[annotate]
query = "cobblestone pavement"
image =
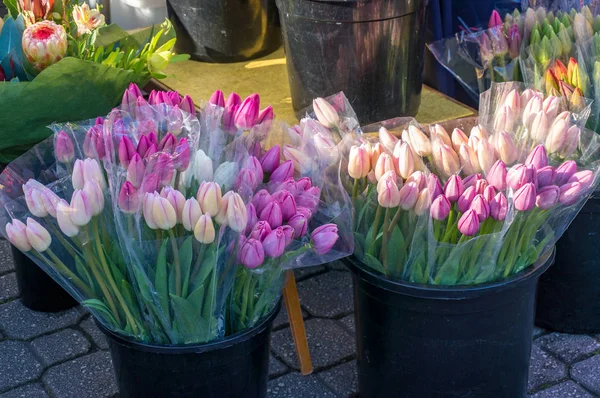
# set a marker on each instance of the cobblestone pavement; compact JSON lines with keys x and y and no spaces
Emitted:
{"x":64,"y":355}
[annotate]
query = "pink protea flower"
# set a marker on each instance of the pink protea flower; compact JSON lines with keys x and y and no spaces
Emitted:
{"x":44,"y":43}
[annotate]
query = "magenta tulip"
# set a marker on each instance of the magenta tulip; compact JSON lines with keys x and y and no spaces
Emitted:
{"x":270,"y":160}
{"x":247,"y":114}
{"x":143,"y":145}
{"x":520,"y":175}
{"x":570,"y":193}
{"x":252,"y":217}
{"x":303,"y":184}
{"x":497,"y":175}
{"x":524,"y":197}
{"x":309,"y":199}
{"x":481,"y":207}
{"x":537,"y":158}
{"x":547,"y":197}
{"x":564,"y":172}
{"x":168,"y":143}
{"x":261,"y":199}
{"x":182,"y":155}
{"x":63,"y":147}
{"x":272,"y":214}
{"x":260,"y":230}
{"x":584,"y":177}
{"x":464,"y":201}
{"x":283,"y":172}
{"x":289,"y":234}
{"x":499,"y":207}
{"x":434,"y":186}
{"x":217,"y":99}
{"x":471,"y":180}
{"x":454,"y":188}
{"x":187,"y":105}
{"x":468,"y":224}
{"x":253,"y":164}
{"x":287,"y":203}
{"x":274,"y":243}
{"x":440,"y":208}
{"x":126,"y":151}
{"x":252,"y":254}
{"x":266,"y":115}
{"x":324,"y":237}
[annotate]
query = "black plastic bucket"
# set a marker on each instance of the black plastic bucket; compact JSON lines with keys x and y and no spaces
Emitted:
{"x":372,"y":50}
{"x":237,"y":366}
{"x":569,"y":293}
{"x":441,"y":342}
{"x":225,"y":30}
{"x":38,"y":291}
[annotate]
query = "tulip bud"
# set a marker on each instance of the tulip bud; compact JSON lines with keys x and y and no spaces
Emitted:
{"x":524,"y":197}
{"x":301,"y":161}
{"x":150,"y":183}
{"x":584,"y":177}
{"x":325,"y":113}
{"x":445,"y":159}
{"x":419,"y":141}
{"x":91,"y":171}
{"x":252,"y":217}
{"x":283,"y":172}
{"x":182,"y":155}
{"x":358,"y":162}
{"x":17,"y":235}
{"x":236,"y":214}
{"x":252,"y":254}
{"x":570,"y":193}
{"x":514,"y":42}
{"x":533,"y":107}
{"x":287,"y":203}
{"x":497,"y":175}
{"x":81,"y":209}
{"x":557,"y":136}
{"x":129,"y":200}
{"x":299,"y":222}
{"x":33,"y":197}
{"x":459,"y":138}
{"x":547,"y":197}
{"x":126,"y":151}
{"x":520,"y":175}
{"x":571,"y":142}
{"x":63,"y":217}
{"x":504,"y":119}
{"x":260,"y":230}
{"x":38,"y":236}
{"x":272,"y":214}
{"x":454,"y":188}
{"x":95,"y":197}
{"x":187,"y":105}
{"x":485,"y":155}
{"x":506,"y":148}
{"x":176,"y":199}
{"x":537,"y":158}
{"x":130,"y":97}
{"x":204,"y":229}
{"x":408,"y":196}
{"x":324,"y":237}
{"x":489,"y":192}
{"x":209,"y":197}
{"x":419,"y":179}
{"x":423,"y":202}
{"x":464,"y":201}
{"x":468,"y":224}
{"x":468,"y":160}
{"x":438,"y":133}
{"x":481,"y":207}
{"x":253,"y":164}
{"x":168,"y":143}
{"x":217,"y":99}
{"x":495,"y":20}
{"x":388,"y":176}
{"x":551,"y":106}
{"x":270,"y":160}
{"x":376,"y":151}
{"x":143,"y":145}
{"x":274,"y":243}
{"x":564,"y":172}
{"x":246,"y":115}
{"x":471,"y":180}
{"x":136,"y":171}
{"x":434,"y":186}
{"x":63,"y":147}
{"x":384,"y":164}
{"x":440,"y":208}
{"x":545,"y":176}
{"x":288,"y":232}
{"x":309,"y":199}
{"x":539,"y":127}
{"x":499,"y":207}
{"x":163,"y":213}
{"x":265,"y":116}
{"x":388,"y":195}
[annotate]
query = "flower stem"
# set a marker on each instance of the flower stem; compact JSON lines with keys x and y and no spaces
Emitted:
{"x":384,"y":248}
{"x":63,"y":269}
{"x":176,"y":262}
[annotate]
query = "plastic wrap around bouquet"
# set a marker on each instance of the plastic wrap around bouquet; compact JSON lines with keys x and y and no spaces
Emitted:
{"x":161,"y":241}
{"x":477,"y":201}
{"x":60,"y":62}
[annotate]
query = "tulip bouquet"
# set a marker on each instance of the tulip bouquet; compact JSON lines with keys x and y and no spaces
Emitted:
{"x":127,"y":214}
{"x":444,"y":206}
{"x":48,"y":48}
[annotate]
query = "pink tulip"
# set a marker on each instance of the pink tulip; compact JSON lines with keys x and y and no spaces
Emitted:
{"x":557,"y":135}
{"x":63,"y":217}
{"x":129,"y":200}
{"x":299,"y":222}
{"x":324,"y":237}
{"x":388,"y":194}
{"x":182,"y":155}
{"x":325,"y":113}
{"x":152,"y":150}
{"x":150,"y":183}
{"x":551,"y":106}
{"x":143,"y":111}
{"x":524,"y":197}
{"x":468,"y":224}
{"x":17,"y":235}
{"x":136,"y":171}
{"x":359,"y":163}
{"x":253,"y":164}
{"x":252,"y":254}
{"x":485,"y":155}
{"x":537,"y":158}
{"x":245,"y":182}
{"x":38,"y":236}
{"x":164,"y":166}
{"x":261,"y":199}
{"x":233,"y":100}
{"x":454,"y":188}
{"x":95,"y":196}
{"x":418,"y":178}
{"x":272,"y":214}
{"x":540,"y":127}
{"x":274,"y":243}
{"x":130,"y":97}
{"x":459,"y":138}
{"x":283,"y":172}
{"x":408,"y":196}
{"x":260,"y":230}
{"x":547,"y":197}
{"x":584,"y":177}
{"x":387,"y":140}
{"x":440,"y":208}
{"x":187,"y":105}
{"x":384,"y":164}
{"x":126,"y":151}
{"x":287,"y":203}
{"x":265,"y":116}
{"x":174,"y":97}
{"x":488,"y":193}
{"x":99,"y":121}
{"x":305,"y":211}
{"x":506,"y":148}
{"x":309,"y":199}
{"x":270,"y":160}
{"x":303,"y":184}
{"x":520,"y":175}
{"x":423,"y":202}
{"x":93,"y":144}
{"x":495,"y":20}
{"x":564,"y":172}
{"x":471,"y":180}
{"x":288,"y":233}
{"x":217,"y":99}
{"x":247,"y":113}
{"x":464,"y":201}
{"x":481,"y":186}
{"x":63,"y":147}
{"x":546,"y":176}
{"x":252,"y":217}
{"x":571,"y":142}
{"x":499,"y":207}
{"x":81,"y":208}
{"x":143,"y":145}
{"x":176,"y":199}
{"x":481,"y":207}
{"x":168,"y":143}
{"x":570,"y":193}
{"x":497,"y":175}
{"x":434,"y":186}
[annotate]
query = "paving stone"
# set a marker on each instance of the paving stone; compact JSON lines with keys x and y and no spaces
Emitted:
{"x":29,"y":391}
{"x":543,"y":368}
{"x":17,"y":365}
{"x":327,"y":341}
{"x":342,"y":379}
{"x":19,"y":322}
{"x":276,"y":367}
{"x":587,"y":373}
{"x":568,"y":389}
{"x":537,"y":332}
{"x":282,"y":318}
{"x":59,"y":346}
{"x":569,"y":347}
{"x":306,"y":272}
{"x":348,"y":321}
{"x":328,"y":295}
{"x":294,"y":385}
{"x":6,"y":260}
{"x":338,"y":266}
{"x":90,"y":376}
{"x":8,"y":287}
{"x":89,"y":326}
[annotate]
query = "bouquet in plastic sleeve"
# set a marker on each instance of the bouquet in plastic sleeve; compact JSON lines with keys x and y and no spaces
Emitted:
{"x":474,"y":202}
{"x":155,"y":255}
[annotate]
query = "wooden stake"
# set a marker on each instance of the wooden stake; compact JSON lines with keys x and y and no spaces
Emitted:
{"x":292,"y":304}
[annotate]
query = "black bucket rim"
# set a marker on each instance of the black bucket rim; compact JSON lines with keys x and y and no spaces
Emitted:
{"x":219,"y":344}
{"x":454,"y":292}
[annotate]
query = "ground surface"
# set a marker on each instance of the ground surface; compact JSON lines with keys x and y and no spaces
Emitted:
{"x":65,"y":356}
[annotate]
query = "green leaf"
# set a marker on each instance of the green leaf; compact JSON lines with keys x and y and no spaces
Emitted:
{"x":131,"y":300}
{"x":11,"y":6}
{"x":187,"y":321}
{"x":83,"y":273}
{"x":161,"y":281}
{"x":186,"y":255}
{"x":374,"y":263}
{"x":102,"y":311}
{"x":359,"y":245}
{"x":196,"y":298}
{"x":179,"y":58}
{"x":395,"y":246}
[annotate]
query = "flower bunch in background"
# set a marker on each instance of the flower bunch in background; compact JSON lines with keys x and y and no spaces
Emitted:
{"x":153,"y":254}
{"x":457,"y":207}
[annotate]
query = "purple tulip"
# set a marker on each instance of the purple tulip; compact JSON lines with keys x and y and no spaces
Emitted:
{"x":274,"y":243}
{"x":283,"y":172}
{"x":564,"y":172}
{"x":252,"y":217}
{"x":152,"y":150}
{"x":233,"y":100}
{"x":524,"y":197}
{"x":136,"y":170}
{"x":246,"y":182}
{"x":471,"y":180}
{"x":247,"y":113}
{"x":499,"y":207}
{"x":289,"y":185}
{"x":537,"y":158}
{"x":440,"y":208}
{"x":143,"y":145}
{"x":182,"y":155}
{"x":584,"y":177}
{"x":464,"y":201}
{"x":434,"y":186}
{"x":547,"y":197}
{"x":287,"y":203}
{"x":288,"y":233}
{"x":520,"y":175}
{"x":468,"y":224}
{"x":228,"y":119}
{"x":253,"y":164}
{"x":497,"y":175}
{"x":570,"y":193}
{"x":305,"y":211}
{"x":187,"y":105}
{"x":217,"y":99}
{"x":261,"y":199}
{"x":63,"y":147}
{"x":168,"y":143}
{"x":130,"y":97}
{"x":93,"y":144}
{"x":129,"y":200}
{"x":270,"y":160}
{"x":545,"y":176}
{"x":309,"y":199}
{"x":126,"y":151}
{"x":252,"y":254}
{"x":299,"y":222}
{"x":150,"y":183}
{"x":481,"y":207}
{"x":260,"y":230}
{"x":454,"y":188}
{"x":303,"y":184}
{"x":324,"y":237}
{"x":272,"y":214}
